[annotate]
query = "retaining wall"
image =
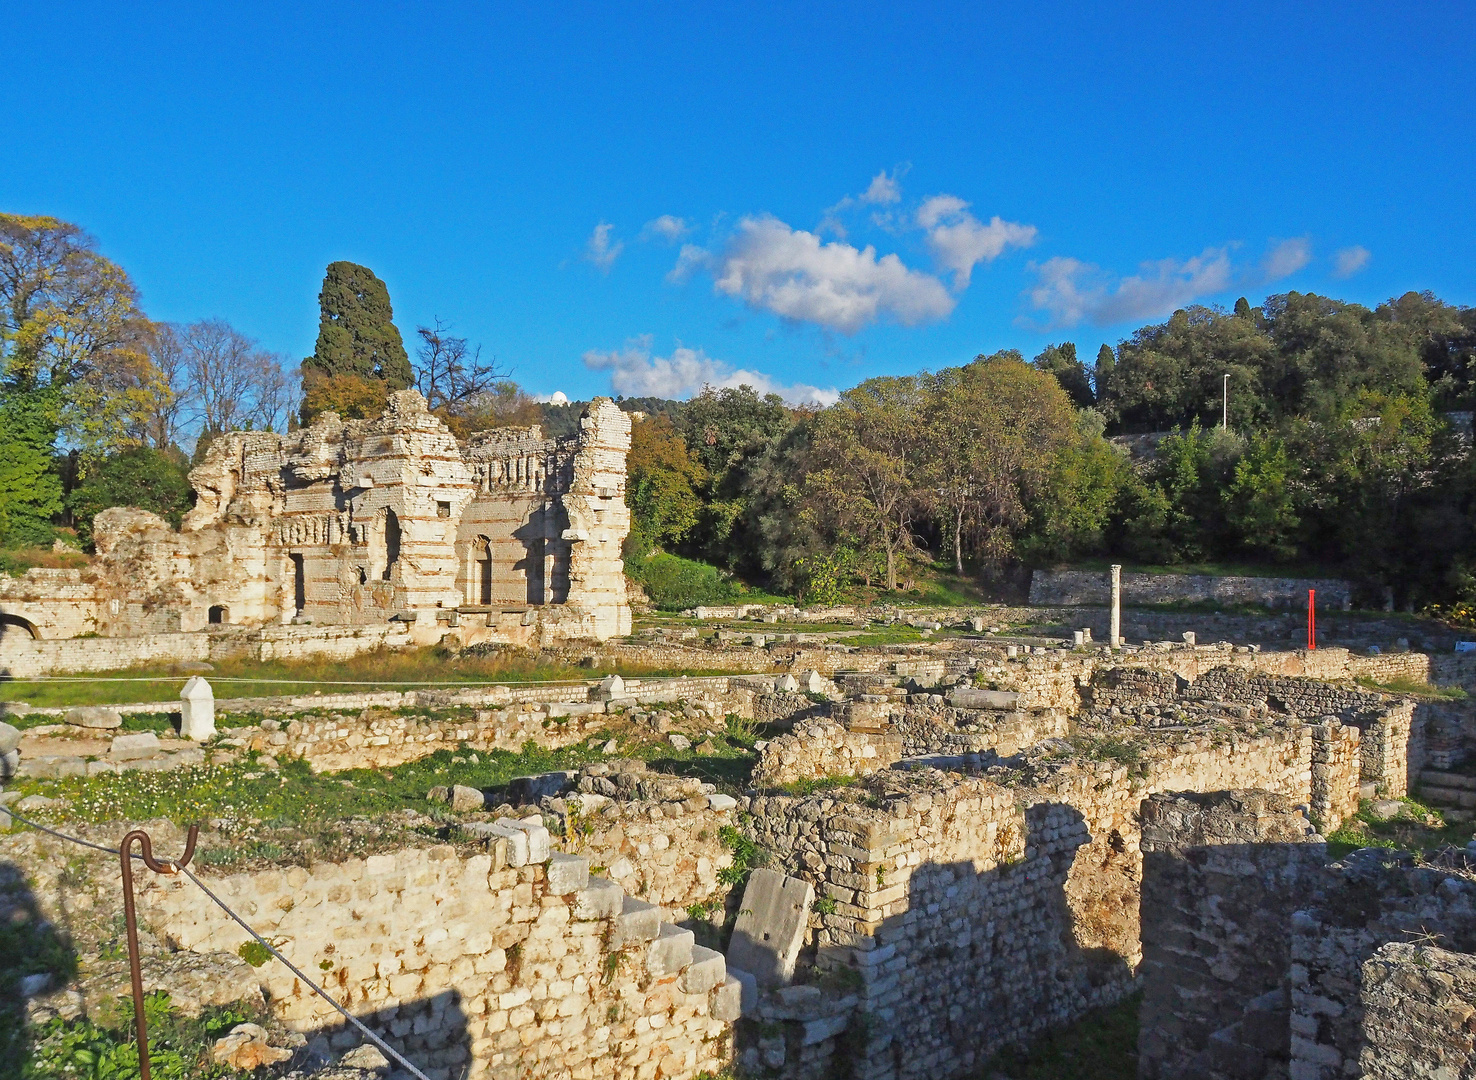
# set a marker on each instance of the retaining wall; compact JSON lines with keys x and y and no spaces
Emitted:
{"x":1065,"y":588}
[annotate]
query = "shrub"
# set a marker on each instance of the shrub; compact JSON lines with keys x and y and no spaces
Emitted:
{"x":674,"y":583}
{"x":148,"y":479}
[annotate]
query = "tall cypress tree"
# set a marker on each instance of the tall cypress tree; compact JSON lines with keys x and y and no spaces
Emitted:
{"x":356,"y":330}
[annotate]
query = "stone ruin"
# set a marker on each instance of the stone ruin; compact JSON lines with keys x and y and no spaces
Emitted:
{"x":963,"y":847}
{"x":389,"y":524}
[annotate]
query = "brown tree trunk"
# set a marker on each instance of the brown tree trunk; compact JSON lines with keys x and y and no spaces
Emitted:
{"x":958,"y":541}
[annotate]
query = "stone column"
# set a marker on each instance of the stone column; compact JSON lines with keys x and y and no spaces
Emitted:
{"x":1114,"y":638}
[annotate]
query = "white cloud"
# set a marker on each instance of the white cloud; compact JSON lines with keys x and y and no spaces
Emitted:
{"x":1350,"y":260}
{"x":1070,"y":290}
{"x":1285,"y":259}
{"x":600,"y":250}
{"x":959,"y":240}
{"x":793,"y":274}
{"x":667,"y":227}
{"x":691,"y":259}
{"x":883,"y":189}
{"x":634,"y":372}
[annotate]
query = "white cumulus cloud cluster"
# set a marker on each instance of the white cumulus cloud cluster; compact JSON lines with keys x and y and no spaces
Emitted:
{"x":634,"y":372}
{"x":797,"y":276}
{"x":1070,"y":291}
{"x":600,"y":249}
{"x":959,"y":240}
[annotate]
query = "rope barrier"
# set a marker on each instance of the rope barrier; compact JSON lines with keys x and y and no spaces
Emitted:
{"x":314,"y":987}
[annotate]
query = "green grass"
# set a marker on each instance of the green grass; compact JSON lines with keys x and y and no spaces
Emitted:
{"x":1418,"y":828}
{"x":1103,"y":1045}
{"x":1415,"y":688}
{"x":380,"y":670}
{"x":243,"y":796}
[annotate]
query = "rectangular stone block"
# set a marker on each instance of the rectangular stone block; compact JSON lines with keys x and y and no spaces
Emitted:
{"x":637,"y":921}
{"x":567,"y":873}
{"x":706,"y":972}
{"x":132,"y":747}
{"x":727,"y":1001}
{"x":771,"y":926}
{"x":599,"y":899}
{"x":671,"y":951}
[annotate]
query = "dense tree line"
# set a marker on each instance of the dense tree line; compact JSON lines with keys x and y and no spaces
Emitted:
{"x":1347,"y":450}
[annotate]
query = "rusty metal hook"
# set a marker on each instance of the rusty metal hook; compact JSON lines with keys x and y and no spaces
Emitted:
{"x":146,"y":852}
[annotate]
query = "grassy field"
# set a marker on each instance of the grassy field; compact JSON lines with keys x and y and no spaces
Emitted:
{"x":1418,"y":828}
{"x":399,"y":669}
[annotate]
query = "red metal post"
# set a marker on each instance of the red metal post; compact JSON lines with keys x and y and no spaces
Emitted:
{"x":1311,"y":618}
{"x":131,"y":920}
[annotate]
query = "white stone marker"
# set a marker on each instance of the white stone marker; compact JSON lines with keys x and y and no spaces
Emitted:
{"x":197,"y":710}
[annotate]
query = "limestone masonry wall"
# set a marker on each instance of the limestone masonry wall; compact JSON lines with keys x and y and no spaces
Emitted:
{"x":1072,"y":587}
{"x":1417,"y":1001}
{"x":473,"y":967}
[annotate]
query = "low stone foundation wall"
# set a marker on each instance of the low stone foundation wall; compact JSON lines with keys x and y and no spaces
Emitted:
{"x":821,"y":747}
{"x":1066,"y":588}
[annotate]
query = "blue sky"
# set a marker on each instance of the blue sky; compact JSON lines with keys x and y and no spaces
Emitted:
{"x":646,"y":197}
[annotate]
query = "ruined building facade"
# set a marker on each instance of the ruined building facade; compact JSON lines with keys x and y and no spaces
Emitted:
{"x":509,"y":537}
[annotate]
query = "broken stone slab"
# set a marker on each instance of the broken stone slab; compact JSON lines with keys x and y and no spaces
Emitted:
{"x":567,"y":873}
{"x":670,"y":951}
{"x":679,"y":742}
{"x":140,"y":744}
{"x":637,"y":921}
{"x":94,"y":716}
{"x":466,"y":799}
{"x":721,"y":802}
{"x":707,"y":971}
{"x":771,"y":926}
{"x":197,"y":710}
{"x":538,"y":838}
{"x":969,"y":698}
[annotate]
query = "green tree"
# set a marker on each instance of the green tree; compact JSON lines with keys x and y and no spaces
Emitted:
{"x":1073,"y":508}
{"x":357,"y":336}
{"x":1260,"y":504}
{"x":149,"y":479}
{"x":988,"y":435}
{"x":72,"y":334}
{"x":662,"y":484}
{"x":1102,"y":374}
{"x":1071,"y":373}
{"x":30,"y":489}
{"x":866,"y":470}
{"x":728,"y":431}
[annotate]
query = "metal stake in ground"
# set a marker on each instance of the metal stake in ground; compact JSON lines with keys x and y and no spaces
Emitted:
{"x":134,"y":967}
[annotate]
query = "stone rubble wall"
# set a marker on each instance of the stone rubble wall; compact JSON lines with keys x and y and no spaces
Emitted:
{"x":471,"y":967}
{"x":1057,"y":588}
{"x":1417,"y":1005}
{"x":1209,"y":862}
{"x":936,"y":729}
{"x":1365,"y":905}
{"x":821,"y":747}
{"x":975,"y":916}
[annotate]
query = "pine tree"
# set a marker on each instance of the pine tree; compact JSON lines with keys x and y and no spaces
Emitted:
{"x":356,"y":330}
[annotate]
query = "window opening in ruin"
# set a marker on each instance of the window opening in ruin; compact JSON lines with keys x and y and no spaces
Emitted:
{"x":299,"y":583}
{"x":484,"y":571}
{"x":391,"y":543}
{"x":217,"y":615}
{"x":443,"y":509}
{"x":363,"y":576}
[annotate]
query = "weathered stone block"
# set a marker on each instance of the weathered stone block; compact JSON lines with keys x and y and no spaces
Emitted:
{"x":197,"y":710}
{"x":671,"y":951}
{"x":94,"y":716}
{"x":707,"y":971}
{"x":140,"y":744}
{"x":599,"y":899}
{"x":637,"y":921}
{"x":771,"y":926}
{"x":567,"y":873}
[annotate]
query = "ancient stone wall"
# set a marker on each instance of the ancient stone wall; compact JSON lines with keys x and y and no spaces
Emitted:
{"x":1222,"y":874}
{"x":511,"y":538}
{"x":473,"y":967}
{"x":1371,"y":900}
{"x":1073,"y":587}
{"x":1417,"y":1004}
{"x":821,"y":747}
